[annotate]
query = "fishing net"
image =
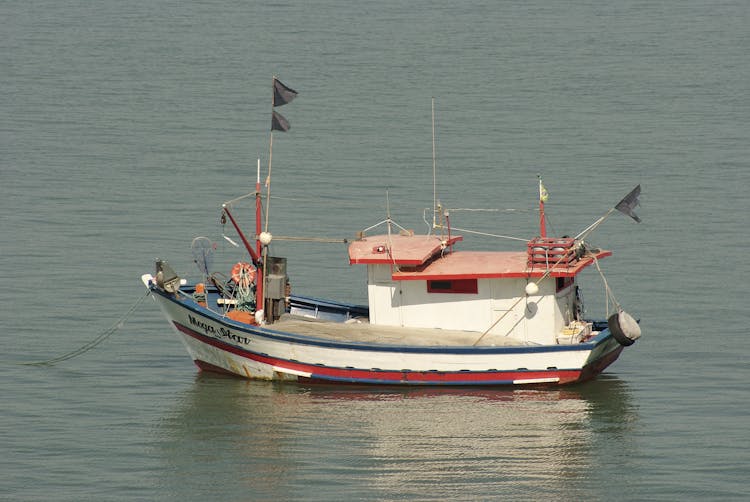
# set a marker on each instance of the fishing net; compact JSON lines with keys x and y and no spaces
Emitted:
{"x":203,"y":254}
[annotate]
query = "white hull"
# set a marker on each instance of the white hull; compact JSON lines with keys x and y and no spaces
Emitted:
{"x":219,"y":343}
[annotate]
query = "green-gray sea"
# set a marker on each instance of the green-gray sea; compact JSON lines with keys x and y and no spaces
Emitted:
{"x":125,"y":124}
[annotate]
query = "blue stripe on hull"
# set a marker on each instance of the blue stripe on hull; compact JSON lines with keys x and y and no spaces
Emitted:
{"x":282,"y":336}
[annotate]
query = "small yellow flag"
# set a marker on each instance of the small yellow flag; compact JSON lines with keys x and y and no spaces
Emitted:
{"x":543,"y":194}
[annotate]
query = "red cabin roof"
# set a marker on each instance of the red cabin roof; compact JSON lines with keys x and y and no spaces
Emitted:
{"x":426,"y":257}
{"x":413,"y":250}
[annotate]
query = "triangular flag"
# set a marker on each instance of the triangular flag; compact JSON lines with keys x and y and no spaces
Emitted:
{"x":281,"y":93}
{"x":629,"y":203}
{"x":279,"y":123}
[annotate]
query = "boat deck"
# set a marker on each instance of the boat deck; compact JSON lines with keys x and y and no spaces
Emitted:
{"x":364,"y":332}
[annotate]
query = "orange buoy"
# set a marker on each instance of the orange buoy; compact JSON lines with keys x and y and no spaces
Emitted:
{"x":200,"y":294}
{"x":243,"y":273}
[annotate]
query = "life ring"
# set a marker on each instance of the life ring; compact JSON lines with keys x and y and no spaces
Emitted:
{"x":243,"y":273}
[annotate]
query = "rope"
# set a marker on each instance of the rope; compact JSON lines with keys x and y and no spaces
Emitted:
{"x":93,"y":343}
{"x":610,"y":294}
{"x":244,"y":294}
{"x":326,"y":240}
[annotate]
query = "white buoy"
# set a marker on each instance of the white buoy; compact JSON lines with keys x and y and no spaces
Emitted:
{"x":265,"y":238}
{"x":532,"y":289}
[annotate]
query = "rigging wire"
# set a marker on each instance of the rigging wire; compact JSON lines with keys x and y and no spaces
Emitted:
{"x":490,"y":235}
{"x":93,"y":343}
{"x":493,"y":210}
{"x":609,"y":293}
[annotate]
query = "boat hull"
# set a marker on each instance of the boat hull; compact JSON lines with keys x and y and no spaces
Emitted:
{"x":219,"y":344}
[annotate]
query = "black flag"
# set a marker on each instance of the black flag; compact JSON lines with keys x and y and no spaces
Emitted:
{"x":279,"y":123}
{"x":281,"y":93}
{"x":629,"y":203}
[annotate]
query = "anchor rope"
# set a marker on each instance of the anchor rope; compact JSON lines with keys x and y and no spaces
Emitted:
{"x":93,"y":343}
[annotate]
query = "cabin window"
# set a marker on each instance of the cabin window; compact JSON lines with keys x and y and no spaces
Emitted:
{"x":464,"y":286}
{"x":564,"y":282}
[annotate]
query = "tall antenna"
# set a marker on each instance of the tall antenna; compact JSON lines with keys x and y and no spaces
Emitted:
{"x":388,"y":211}
{"x":434,"y":168}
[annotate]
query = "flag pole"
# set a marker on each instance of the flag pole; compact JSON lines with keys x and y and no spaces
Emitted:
{"x":270,"y":151}
{"x":586,"y":231}
{"x":268,"y":180}
{"x":280,"y":95}
{"x":268,"y":197}
{"x":625,"y":206}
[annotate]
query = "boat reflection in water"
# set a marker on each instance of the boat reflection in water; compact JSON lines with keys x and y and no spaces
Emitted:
{"x":243,"y":439}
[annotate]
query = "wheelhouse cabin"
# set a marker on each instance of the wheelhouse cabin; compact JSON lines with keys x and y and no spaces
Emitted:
{"x":419,"y":281}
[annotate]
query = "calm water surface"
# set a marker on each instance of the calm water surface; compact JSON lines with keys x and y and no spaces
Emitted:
{"x":124,"y":125}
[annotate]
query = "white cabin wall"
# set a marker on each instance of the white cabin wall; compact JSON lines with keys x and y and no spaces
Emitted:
{"x":540,"y":311}
{"x":508,"y":314}
{"x":407,"y":303}
{"x":461,"y":311}
{"x":382,"y":296}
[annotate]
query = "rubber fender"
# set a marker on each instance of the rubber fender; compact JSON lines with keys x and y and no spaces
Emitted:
{"x":624,"y":328}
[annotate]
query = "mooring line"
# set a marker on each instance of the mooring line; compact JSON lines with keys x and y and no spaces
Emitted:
{"x":93,"y":343}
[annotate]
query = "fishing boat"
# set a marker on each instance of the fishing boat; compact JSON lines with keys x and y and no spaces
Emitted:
{"x":435,"y":314}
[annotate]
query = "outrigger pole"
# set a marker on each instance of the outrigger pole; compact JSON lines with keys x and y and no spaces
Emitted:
{"x":255,"y":256}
